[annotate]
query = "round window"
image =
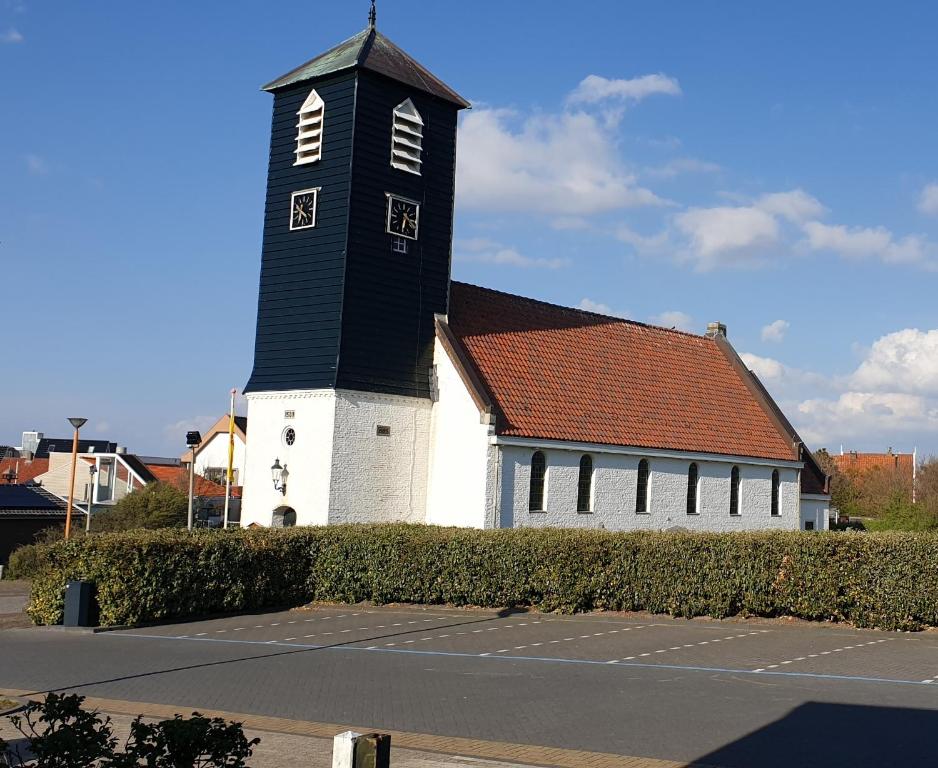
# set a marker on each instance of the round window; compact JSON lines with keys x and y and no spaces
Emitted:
{"x":289,"y":436}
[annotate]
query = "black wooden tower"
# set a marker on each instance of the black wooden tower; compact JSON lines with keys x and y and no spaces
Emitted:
{"x":358,"y":222}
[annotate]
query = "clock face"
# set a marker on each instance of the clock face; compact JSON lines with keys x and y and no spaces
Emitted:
{"x":303,"y":209}
{"x":403,"y":217}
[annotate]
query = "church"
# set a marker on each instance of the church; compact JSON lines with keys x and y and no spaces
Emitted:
{"x":384,"y":391}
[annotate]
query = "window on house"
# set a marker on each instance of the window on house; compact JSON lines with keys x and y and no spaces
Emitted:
{"x":776,"y":484}
{"x":538,"y":477}
{"x":219,"y":475}
{"x":641,"y":490}
{"x":692,"y":476}
{"x":309,"y":130}
{"x":734,"y":491}
{"x":584,"y":493}
{"x":407,"y":138}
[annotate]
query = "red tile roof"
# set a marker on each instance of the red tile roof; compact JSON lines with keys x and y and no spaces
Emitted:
{"x":903,"y":463}
{"x":26,"y":470}
{"x":566,"y":374}
{"x":179,"y":477}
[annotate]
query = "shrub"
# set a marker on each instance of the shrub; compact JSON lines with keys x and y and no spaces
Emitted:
{"x":886,"y":580}
{"x":157,"y":505}
{"x":61,"y":734}
{"x":26,"y":561}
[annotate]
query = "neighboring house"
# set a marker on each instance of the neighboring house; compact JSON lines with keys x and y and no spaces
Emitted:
{"x":27,"y":510}
{"x":115,"y":475}
{"x":49,"y":445}
{"x":900,"y":466}
{"x":389,"y":393}
{"x":211,"y":495}
{"x":211,"y":455}
{"x":21,"y":470}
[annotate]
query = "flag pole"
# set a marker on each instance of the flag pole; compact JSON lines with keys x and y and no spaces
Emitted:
{"x":231,"y":423}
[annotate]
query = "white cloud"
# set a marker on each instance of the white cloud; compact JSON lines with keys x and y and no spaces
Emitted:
{"x":928,"y":202}
{"x":593,"y":88}
{"x":102,"y":427}
{"x":764,"y":367}
{"x":725,"y":236}
{"x":775,"y":331}
{"x":673,"y":319}
{"x":484,"y":251}
{"x":599,"y":308}
{"x":869,"y":416}
{"x":867,"y":242}
{"x":795,"y":205}
{"x":681,"y":165}
{"x":904,"y":361}
{"x":36,"y":165}
{"x":11,"y":36}
{"x":565,"y":164}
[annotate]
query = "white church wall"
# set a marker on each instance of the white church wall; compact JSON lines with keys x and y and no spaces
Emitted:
{"x":815,"y":509}
{"x":214,"y":454}
{"x":379,"y":478}
{"x":458,"y":486}
{"x":308,"y":460}
{"x":614,"y":493}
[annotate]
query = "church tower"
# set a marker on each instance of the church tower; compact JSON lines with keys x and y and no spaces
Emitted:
{"x":355,"y":264}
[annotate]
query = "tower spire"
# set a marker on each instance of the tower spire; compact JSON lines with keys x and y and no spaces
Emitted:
{"x":372,"y":15}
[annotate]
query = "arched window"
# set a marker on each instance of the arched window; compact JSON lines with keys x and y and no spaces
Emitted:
{"x":407,"y":138}
{"x":641,"y":487}
{"x":734,"y":491}
{"x":584,"y":490}
{"x":776,"y":485}
{"x":692,"y":476}
{"x":538,"y":476}
{"x":309,"y":130}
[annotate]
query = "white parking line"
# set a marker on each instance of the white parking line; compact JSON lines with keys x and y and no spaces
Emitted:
{"x":690,"y":645}
{"x":822,"y":653}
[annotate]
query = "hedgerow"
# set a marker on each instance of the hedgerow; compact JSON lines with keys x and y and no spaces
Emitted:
{"x":885,"y":580}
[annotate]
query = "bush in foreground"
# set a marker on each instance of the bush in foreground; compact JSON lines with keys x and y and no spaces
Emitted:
{"x":886,"y":580}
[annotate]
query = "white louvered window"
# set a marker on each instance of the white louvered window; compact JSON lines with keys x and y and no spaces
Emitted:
{"x":407,"y":138}
{"x":309,"y":130}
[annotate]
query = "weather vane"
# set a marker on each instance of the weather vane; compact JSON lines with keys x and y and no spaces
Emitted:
{"x":372,"y":14}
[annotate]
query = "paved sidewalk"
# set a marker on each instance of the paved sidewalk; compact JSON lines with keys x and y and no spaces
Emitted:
{"x":298,"y":744}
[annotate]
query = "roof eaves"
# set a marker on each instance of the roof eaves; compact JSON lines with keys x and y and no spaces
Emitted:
{"x":462,"y":361}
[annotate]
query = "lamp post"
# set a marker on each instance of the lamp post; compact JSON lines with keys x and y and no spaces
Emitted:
{"x":193,"y":439}
{"x":77,"y":422}
{"x":92,"y":471}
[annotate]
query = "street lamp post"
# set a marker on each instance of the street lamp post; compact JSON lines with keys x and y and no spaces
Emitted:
{"x":193,"y":439}
{"x":92,"y":471}
{"x":77,"y":422}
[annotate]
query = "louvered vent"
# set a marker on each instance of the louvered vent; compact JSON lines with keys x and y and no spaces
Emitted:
{"x":309,"y":130}
{"x":407,"y":138}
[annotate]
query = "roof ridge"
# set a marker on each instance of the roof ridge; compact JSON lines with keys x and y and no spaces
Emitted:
{"x":613,"y":318}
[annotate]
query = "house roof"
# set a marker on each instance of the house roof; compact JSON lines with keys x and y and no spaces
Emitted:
{"x":371,"y":50}
{"x":25,"y":470}
{"x":31,"y":501}
{"x":64,"y":445}
{"x":864,"y":462}
{"x":559,"y":373}
{"x":179,"y":477}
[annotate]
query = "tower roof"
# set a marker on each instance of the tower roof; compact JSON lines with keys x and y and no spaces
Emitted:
{"x":371,"y":50}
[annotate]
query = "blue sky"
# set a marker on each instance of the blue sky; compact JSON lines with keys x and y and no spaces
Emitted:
{"x":772,"y":167}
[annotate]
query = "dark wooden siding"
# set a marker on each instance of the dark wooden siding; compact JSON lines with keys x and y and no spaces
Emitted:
{"x":299,"y":307}
{"x":390,"y":299}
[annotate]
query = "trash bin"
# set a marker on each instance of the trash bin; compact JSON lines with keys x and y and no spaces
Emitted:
{"x":80,"y":604}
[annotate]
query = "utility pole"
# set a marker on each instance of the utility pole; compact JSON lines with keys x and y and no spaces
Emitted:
{"x":77,"y":422}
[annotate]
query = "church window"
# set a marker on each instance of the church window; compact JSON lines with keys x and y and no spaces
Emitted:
{"x":309,"y":130}
{"x":641,"y":490}
{"x":734,"y":491}
{"x":776,"y":486}
{"x":398,"y":244}
{"x":289,"y":436}
{"x":693,"y":476}
{"x":407,"y":138}
{"x":538,"y":480}
{"x":584,"y":493}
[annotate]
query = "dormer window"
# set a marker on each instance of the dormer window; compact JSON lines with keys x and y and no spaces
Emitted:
{"x":309,"y":130}
{"x":407,"y":138}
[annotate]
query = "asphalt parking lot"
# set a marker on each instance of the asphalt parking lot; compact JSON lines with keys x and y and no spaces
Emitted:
{"x":727,"y":693}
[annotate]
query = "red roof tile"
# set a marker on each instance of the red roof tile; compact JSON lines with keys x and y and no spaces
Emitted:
{"x":179,"y":477}
{"x":864,"y":462}
{"x":26,"y":470}
{"x":565,"y":374}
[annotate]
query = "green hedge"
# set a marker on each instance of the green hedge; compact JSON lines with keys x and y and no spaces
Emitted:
{"x":886,"y":580}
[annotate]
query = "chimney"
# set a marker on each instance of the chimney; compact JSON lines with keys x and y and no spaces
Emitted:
{"x":716,"y":329}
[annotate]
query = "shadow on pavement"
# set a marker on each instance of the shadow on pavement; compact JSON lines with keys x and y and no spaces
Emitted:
{"x":836,"y":736}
